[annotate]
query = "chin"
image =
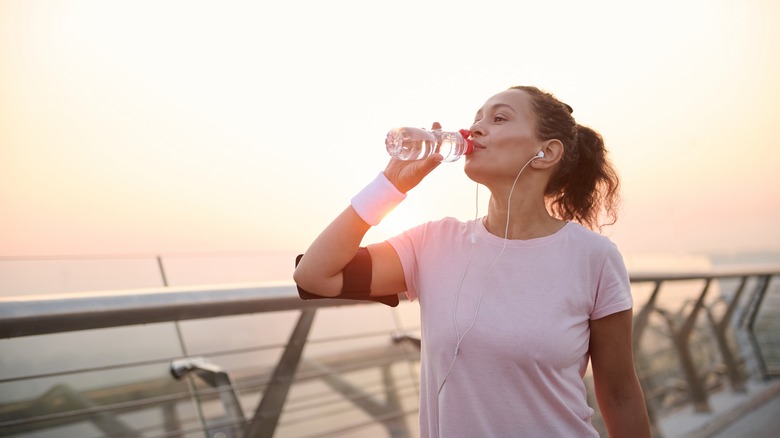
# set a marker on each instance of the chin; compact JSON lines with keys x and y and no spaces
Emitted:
{"x":474,"y":172}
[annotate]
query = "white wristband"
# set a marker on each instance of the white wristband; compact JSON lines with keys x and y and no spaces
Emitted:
{"x":377,"y":199}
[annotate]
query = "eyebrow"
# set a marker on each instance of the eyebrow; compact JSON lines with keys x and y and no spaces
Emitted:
{"x":497,"y":106}
{"x":502,"y":105}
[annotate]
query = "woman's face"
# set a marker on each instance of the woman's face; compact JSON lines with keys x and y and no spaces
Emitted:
{"x":504,"y":136}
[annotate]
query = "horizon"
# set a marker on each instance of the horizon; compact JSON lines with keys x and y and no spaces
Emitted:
{"x":36,"y":276}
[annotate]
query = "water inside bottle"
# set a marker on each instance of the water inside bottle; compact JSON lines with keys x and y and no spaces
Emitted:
{"x":407,"y":149}
{"x":419,"y":145}
{"x":451,"y":147}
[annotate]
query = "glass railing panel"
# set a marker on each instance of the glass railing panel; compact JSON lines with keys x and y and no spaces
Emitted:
{"x":237,"y":332}
{"x":352,"y":322}
{"x":93,"y":378}
{"x":337,"y":355}
{"x":351,"y":400}
{"x":182,"y":270}
{"x":88,"y":349}
{"x":121,"y":401}
{"x":40,"y":276}
{"x":246,"y":348}
{"x":407,"y":316}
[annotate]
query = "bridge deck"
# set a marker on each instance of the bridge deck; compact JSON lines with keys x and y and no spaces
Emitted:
{"x":754,"y":414}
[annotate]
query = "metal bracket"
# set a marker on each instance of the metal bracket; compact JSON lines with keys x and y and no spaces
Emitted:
{"x":217,"y":378}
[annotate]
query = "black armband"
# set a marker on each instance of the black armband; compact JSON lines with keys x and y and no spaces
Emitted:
{"x":357,"y":281}
{"x":357,"y":275}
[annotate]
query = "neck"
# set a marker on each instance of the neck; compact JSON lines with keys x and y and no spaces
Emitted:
{"x":528,"y":218}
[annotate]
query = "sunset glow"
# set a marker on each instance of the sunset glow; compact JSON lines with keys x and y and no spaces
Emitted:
{"x":175,"y":126}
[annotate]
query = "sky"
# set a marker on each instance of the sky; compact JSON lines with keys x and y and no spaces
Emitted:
{"x":132,"y":127}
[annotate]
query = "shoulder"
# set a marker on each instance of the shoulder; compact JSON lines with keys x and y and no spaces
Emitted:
{"x":600,"y":251}
{"x":444,"y":231}
{"x":444,"y":226}
{"x":589,"y":238}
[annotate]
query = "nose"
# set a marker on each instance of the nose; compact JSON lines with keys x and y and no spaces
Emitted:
{"x":476,"y":129}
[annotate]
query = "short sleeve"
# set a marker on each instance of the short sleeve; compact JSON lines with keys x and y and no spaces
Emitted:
{"x":613,"y":291}
{"x":404,"y":245}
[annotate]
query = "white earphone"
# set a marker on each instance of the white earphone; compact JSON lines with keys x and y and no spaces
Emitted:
{"x":540,"y":155}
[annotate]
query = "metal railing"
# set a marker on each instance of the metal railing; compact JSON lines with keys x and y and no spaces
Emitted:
{"x":694,"y":345}
{"x":715,"y":335}
{"x":217,"y":402}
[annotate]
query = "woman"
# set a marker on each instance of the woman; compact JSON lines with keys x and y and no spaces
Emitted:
{"x":514,"y":304}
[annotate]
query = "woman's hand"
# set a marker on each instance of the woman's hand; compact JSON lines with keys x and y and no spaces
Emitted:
{"x":405,"y":175}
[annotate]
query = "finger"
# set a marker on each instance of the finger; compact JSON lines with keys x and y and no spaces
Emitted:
{"x":436,"y":125}
{"x":429,"y":164}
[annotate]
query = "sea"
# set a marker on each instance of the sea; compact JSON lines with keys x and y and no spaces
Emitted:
{"x":47,"y":275}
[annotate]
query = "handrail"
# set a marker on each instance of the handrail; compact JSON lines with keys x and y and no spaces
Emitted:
{"x":715,"y":274}
{"x":42,"y":314}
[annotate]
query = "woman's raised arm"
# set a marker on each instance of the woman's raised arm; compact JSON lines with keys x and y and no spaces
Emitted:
{"x":321,"y":270}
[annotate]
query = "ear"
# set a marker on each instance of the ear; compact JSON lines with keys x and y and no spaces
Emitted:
{"x":553,"y":152}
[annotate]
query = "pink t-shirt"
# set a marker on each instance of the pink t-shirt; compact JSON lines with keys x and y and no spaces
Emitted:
{"x":519,"y":368}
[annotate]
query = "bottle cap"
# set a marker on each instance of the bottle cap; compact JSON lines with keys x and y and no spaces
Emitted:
{"x":469,"y":143}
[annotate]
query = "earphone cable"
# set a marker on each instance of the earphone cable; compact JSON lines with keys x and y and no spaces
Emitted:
{"x":458,"y":337}
{"x":490,"y":269}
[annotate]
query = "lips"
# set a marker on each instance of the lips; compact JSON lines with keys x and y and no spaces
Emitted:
{"x":478,"y":145}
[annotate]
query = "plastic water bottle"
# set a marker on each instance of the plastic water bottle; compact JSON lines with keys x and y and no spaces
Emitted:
{"x":411,"y":144}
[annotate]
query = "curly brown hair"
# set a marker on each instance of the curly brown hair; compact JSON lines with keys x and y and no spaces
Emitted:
{"x":585,"y":186}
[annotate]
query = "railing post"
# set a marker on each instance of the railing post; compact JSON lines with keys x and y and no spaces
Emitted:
{"x":681,"y":339}
{"x":749,"y":321}
{"x":639,"y":326}
{"x":642,"y":318}
{"x":396,"y":426}
{"x":720,"y":328}
{"x":163,"y":277}
{"x":269,"y":409}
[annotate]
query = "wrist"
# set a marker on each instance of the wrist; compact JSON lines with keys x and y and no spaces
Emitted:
{"x":377,"y":199}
